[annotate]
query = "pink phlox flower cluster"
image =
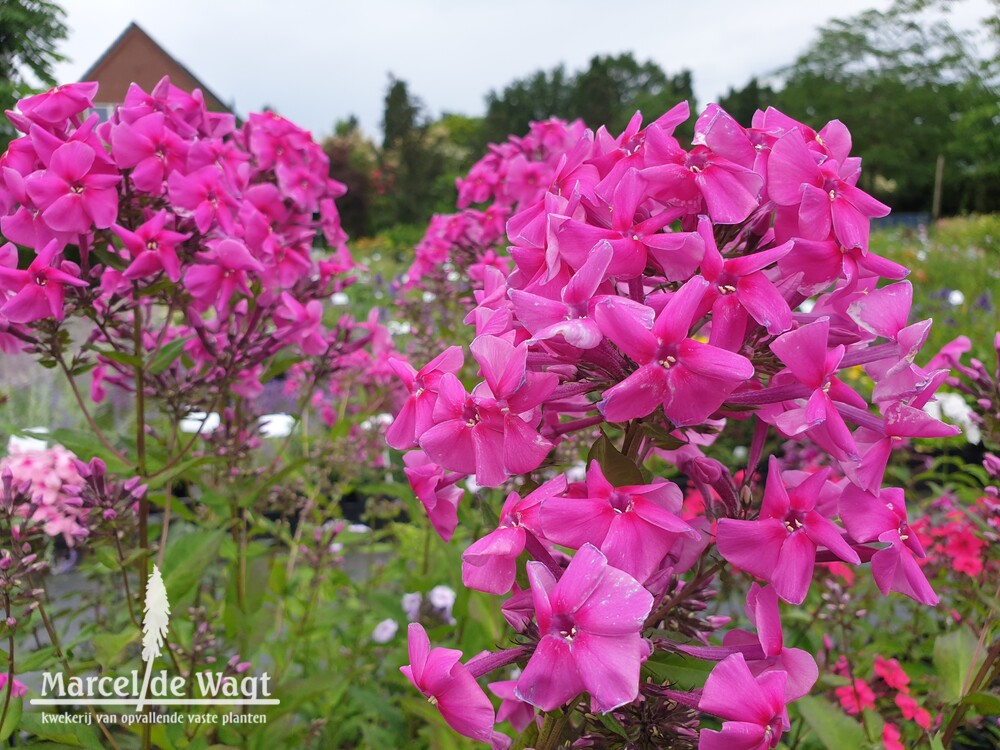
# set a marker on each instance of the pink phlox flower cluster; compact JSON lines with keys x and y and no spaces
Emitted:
{"x":54,"y":480}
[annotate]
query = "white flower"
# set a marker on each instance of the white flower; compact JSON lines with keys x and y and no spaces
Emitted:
{"x":359,"y":528}
{"x":339,"y":298}
{"x":954,"y":407}
{"x":442,"y":598}
{"x":276,"y":425}
{"x":204,"y":422}
{"x":28,"y":444}
{"x":429,"y":296}
{"x":385,"y":630}
{"x":411,"y":606}
{"x":955,"y":297}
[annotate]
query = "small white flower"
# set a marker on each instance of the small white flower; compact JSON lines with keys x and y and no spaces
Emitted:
{"x":276,"y":425}
{"x":471,"y":485}
{"x":28,"y":444}
{"x":442,"y":598}
{"x":577,"y":472}
{"x":954,"y":407}
{"x":411,"y":606}
{"x":339,"y":298}
{"x":206,"y":422}
{"x":385,"y":630}
{"x":359,"y":528}
{"x":398,"y":327}
{"x":429,"y":297}
{"x":740,"y":452}
{"x":955,"y":297}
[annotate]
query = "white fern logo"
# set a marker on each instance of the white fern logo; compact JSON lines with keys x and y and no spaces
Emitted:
{"x":155,"y":619}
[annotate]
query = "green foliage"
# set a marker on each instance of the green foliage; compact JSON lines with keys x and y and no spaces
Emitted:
{"x":29,"y":32}
{"x":943,"y":94}
{"x":959,"y":254}
{"x":607,"y":93}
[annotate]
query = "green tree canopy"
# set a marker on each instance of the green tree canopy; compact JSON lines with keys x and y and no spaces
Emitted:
{"x":608,"y":93}
{"x":29,"y":33}
{"x":908,"y":85}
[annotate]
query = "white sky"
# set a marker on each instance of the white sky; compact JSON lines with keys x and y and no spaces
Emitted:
{"x":317,"y":61}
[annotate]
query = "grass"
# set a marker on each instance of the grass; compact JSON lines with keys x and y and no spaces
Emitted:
{"x":955,"y":275}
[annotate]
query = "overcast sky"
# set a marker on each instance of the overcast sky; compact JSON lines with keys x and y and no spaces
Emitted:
{"x":317,"y":61}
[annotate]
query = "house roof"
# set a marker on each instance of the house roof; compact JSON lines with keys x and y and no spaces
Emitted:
{"x":136,"y":57}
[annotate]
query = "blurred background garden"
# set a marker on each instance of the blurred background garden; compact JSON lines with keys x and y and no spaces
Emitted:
{"x":337,"y":545}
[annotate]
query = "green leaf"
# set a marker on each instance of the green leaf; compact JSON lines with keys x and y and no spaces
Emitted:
{"x":987,"y":703}
{"x":611,"y":723}
{"x":957,"y":656}
{"x":37,"y":659}
{"x":167,"y":355}
{"x":832,"y":726}
{"x":109,"y":648}
{"x":129,"y":360}
{"x":177,"y":470}
{"x":618,"y":468}
{"x":682,"y":672}
{"x":13,"y":717}
{"x":73,"y":735}
{"x":252,"y":497}
{"x":186,"y":559}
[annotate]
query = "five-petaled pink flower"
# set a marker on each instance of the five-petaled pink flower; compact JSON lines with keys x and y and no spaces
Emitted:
{"x":440,"y":675}
{"x":753,"y":707}
{"x":590,"y":622}
{"x":39,"y":291}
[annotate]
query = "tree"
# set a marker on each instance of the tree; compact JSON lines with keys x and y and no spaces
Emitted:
{"x":607,"y":93}
{"x":29,"y":32}
{"x":903,"y":80}
{"x":401,"y":115}
{"x":742,"y":103}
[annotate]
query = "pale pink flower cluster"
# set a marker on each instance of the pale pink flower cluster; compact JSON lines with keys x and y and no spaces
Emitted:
{"x":54,"y":481}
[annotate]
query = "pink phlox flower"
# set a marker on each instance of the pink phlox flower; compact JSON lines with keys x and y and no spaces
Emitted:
{"x":753,"y":708}
{"x":150,"y":148}
{"x":763,"y":612}
{"x":780,"y":546}
{"x":57,"y":105}
{"x":220,"y":273}
{"x":76,"y":192}
{"x":18,"y":689}
{"x":822,"y":191}
{"x":440,"y":675}
{"x":303,"y":324}
{"x":856,"y":697}
{"x":416,"y":415}
{"x":891,"y":737}
{"x":901,"y":423}
{"x":153,"y":248}
{"x":893,"y":674}
{"x":807,"y":354}
{"x":634,"y":527}
{"x":490,"y":564}
{"x":688,"y":378}
{"x":913,"y":711}
{"x":438,"y":492}
{"x":619,"y":220}
{"x":869,"y":517}
{"x":512,"y":709}
{"x":701,"y":178}
{"x":738,"y":288}
{"x":491,"y":432}
{"x":39,"y":291}
{"x":571,"y":315}
{"x":204,"y":194}
{"x":590,"y":622}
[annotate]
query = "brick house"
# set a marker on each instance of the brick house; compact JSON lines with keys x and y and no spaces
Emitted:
{"x":135,"y":57}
